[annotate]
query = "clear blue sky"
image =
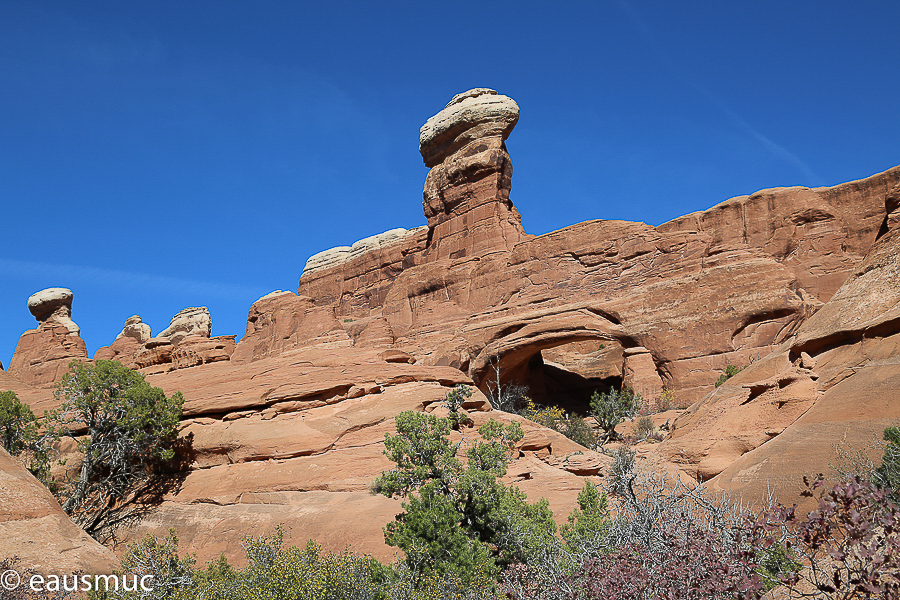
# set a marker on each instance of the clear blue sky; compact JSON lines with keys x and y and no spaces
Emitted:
{"x":158,"y":155}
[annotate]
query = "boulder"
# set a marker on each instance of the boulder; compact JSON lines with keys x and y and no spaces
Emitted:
{"x":469,"y":116}
{"x":190,"y":321}
{"x":54,"y":305}
{"x":136,"y":329}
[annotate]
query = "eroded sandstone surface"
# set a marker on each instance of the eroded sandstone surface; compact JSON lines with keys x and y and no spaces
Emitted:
{"x":287,"y":425}
{"x":35,"y":529}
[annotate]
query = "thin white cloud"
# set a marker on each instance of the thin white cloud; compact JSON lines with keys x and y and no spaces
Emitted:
{"x":73,"y":274}
{"x":776,"y":150}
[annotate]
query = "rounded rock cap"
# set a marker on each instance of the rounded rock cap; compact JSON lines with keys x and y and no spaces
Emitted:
{"x":45,"y":302}
{"x":476,"y":113}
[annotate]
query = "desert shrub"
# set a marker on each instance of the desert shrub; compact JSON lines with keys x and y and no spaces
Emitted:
{"x":20,"y":436}
{"x":849,"y":545}
{"x":776,"y":562}
{"x":887,"y":475}
{"x":459,"y":519}
{"x":454,"y":401}
{"x":587,"y":523}
{"x":573,"y":427}
{"x":858,"y":462}
{"x":644,"y":428}
{"x":18,"y":425}
{"x":172,"y":577}
{"x":666,"y":540}
{"x":510,"y":397}
{"x":612,"y":407}
{"x":730,"y":371}
{"x":667,"y":400}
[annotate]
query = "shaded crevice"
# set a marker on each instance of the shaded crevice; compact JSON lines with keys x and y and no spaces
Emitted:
{"x":823,"y":344}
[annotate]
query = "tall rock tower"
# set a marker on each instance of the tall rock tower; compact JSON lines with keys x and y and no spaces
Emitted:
{"x":466,"y":197}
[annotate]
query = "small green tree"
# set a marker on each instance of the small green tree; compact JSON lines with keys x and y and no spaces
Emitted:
{"x":730,"y":371}
{"x":459,"y":519}
{"x":20,"y":436}
{"x":611,"y":408}
{"x":130,"y":427}
{"x":18,"y":425}
{"x":587,"y":523}
{"x":887,"y":475}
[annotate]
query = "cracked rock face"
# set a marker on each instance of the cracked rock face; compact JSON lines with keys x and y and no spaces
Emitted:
{"x":466,"y":196}
{"x":54,"y":305}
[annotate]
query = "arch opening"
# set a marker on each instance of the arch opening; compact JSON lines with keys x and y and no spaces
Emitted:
{"x":563,"y":375}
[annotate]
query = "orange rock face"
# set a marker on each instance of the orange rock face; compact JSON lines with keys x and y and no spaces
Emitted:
{"x":42,"y":356}
{"x":34,"y":528}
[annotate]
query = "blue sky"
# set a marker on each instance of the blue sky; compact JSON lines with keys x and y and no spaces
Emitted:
{"x":158,"y":155}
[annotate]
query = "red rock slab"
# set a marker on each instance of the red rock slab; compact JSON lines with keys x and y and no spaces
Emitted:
{"x":338,"y":520}
{"x":34,"y":528}
{"x":339,"y":470}
{"x":261,"y":436}
{"x":43,"y":355}
{"x":849,"y":415}
{"x":311,"y":376}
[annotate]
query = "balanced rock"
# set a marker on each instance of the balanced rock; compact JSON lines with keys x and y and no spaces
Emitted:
{"x":54,"y":305}
{"x":194,"y":320}
{"x":43,"y":354}
{"x":466,"y":196}
{"x":477,"y":113}
{"x":135,"y":328}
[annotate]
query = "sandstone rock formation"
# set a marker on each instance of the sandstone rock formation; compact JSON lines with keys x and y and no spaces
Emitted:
{"x":194,"y":320}
{"x":43,"y":354}
{"x":35,"y":529}
{"x":287,"y":425}
{"x":54,"y":305}
{"x":835,"y":383}
{"x":185,"y":343}
{"x":466,"y":196}
{"x":136,"y":329}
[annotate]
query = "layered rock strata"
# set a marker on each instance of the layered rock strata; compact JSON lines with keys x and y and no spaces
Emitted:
{"x":288,"y":426}
{"x":466,"y":197}
{"x":42,"y":355}
{"x":834,"y":384}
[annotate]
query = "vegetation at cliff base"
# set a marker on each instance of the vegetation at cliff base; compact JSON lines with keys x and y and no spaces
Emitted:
{"x":459,"y":518}
{"x":611,"y":408}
